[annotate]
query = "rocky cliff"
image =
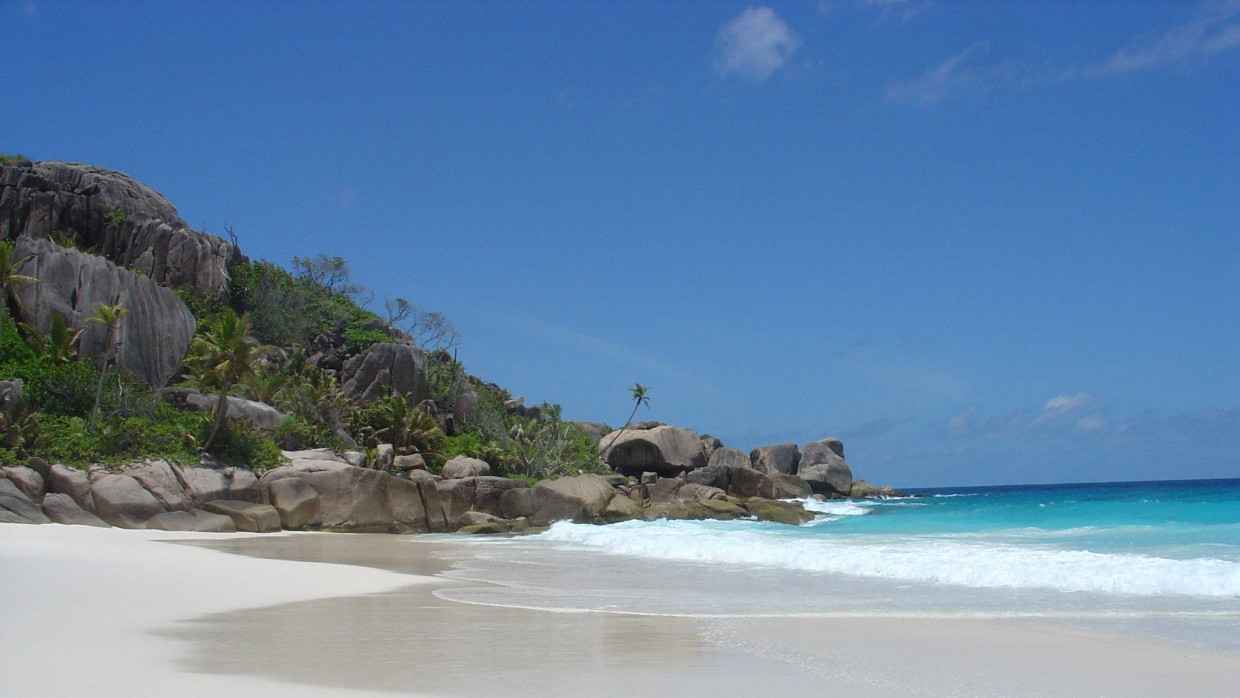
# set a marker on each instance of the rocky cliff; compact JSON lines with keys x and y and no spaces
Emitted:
{"x":114,"y":216}
{"x":152,"y":339}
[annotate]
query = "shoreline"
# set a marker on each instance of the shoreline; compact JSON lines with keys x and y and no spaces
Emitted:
{"x":321,"y":614}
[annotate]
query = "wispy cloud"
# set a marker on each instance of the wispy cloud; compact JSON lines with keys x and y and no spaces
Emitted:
{"x":1213,"y":30}
{"x":887,"y":10}
{"x":1077,"y":418}
{"x":754,"y":45}
{"x":959,"y":73}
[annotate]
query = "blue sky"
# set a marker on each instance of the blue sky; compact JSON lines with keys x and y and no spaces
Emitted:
{"x":980,"y":242}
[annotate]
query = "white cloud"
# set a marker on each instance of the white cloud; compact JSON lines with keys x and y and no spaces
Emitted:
{"x":963,"y":422}
{"x":754,"y":45}
{"x":1066,"y":403}
{"x":1092,"y":422}
{"x":1213,"y":31}
{"x":951,"y":76}
{"x":1208,"y":34}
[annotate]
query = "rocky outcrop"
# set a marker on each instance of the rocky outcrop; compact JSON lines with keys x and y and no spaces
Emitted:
{"x":582,"y":499}
{"x":295,"y":502}
{"x":260,"y":414}
{"x":192,"y":520}
{"x":387,"y":368}
{"x":74,"y":483}
{"x":662,"y":449}
{"x":10,"y":392}
{"x":17,"y":507}
{"x":151,"y":340}
{"x":114,"y":216}
{"x":824,"y":468}
{"x":212,"y":484}
{"x":351,"y":498}
{"x":122,"y":501}
{"x":158,"y":478}
{"x":62,"y":509}
{"x":247,"y":516}
{"x":780,"y":458}
{"x":732,"y":478}
{"x":482,"y":494}
{"x":464,"y":466}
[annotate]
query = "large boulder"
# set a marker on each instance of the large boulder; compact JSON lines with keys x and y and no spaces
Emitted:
{"x":260,"y":414}
{"x":356,"y":499}
{"x":10,"y":391}
{"x":25,"y":479}
{"x":192,"y":520}
{"x":162,"y":481}
{"x":295,"y":502}
{"x":75,"y":483}
{"x":116,"y":217}
{"x":151,"y":340}
{"x":622,"y":509}
{"x":782,"y":486}
{"x":122,"y":501}
{"x":248,"y":516}
{"x":482,"y":494}
{"x":728,"y":458}
{"x":824,"y":468}
{"x":210,"y":484}
{"x":732,"y":477}
{"x":464,"y":466}
{"x":387,"y":368}
{"x":62,"y":509}
{"x":662,"y":449}
{"x":16,"y":507}
{"x":582,"y":499}
{"x":780,"y":458}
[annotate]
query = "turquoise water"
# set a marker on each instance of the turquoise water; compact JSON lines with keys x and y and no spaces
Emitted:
{"x":1156,"y":557}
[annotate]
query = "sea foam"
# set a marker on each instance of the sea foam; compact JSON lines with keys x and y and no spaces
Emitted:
{"x":937,"y":559}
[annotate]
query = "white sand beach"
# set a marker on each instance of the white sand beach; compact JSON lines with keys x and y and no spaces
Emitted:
{"x":123,"y":613}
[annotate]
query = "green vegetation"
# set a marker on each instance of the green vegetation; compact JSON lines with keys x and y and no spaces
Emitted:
{"x":278,"y":337}
{"x":221,"y":356}
{"x":114,"y":217}
{"x":9,"y":159}
{"x":51,"y":419}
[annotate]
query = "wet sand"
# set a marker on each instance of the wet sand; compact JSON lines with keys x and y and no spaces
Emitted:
{"x":128,"y":613}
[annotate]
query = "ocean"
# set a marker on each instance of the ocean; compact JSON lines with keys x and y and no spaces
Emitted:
{"x":1151,"y":558}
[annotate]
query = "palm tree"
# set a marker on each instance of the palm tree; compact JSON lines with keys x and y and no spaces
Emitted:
{"x":11,"y":281}
{"x":109,"y":316}
{"x":221,"y":356}
{"x":638,"y":393}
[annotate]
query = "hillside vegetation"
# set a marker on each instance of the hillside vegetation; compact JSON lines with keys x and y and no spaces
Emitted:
{"x":278,"y":336}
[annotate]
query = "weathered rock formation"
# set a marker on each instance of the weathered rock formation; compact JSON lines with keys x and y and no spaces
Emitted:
{"x":824,"y":468}
{"x":387,"y":368}
{"x":780,"y":458}
{"x":661,"y":449}
{"x":350,"y":498}
{"x":257,"y":413}
{"x":151,"y":340}
{"x":113,"y":215}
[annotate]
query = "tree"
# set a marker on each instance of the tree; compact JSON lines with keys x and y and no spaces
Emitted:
{"x":432,"y":332}
{"x":639,"y":396}
{"x":11,"y":281}
{"x":109,"y":316}
{"x":221,"y":356}
{"x":332,"y":273}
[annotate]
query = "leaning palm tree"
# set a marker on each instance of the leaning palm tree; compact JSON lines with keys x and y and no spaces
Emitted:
{"x":639,"y":396}
{"x":109,"y":316}
{"x":10,"y":281}
{"x":221,"y":356}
